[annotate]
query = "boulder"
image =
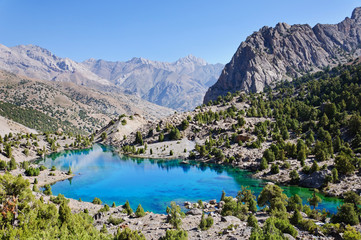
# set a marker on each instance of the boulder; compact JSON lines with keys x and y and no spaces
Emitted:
{"x":314,"y":180}
{"x":195,"y":211}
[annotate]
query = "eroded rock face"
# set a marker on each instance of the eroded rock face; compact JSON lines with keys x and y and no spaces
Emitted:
{"x":285,"y":51}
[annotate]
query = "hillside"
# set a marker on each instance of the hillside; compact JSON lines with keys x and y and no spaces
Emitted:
{"x":69,"y":105}
{"x":305,"y":132}
{"x":178,"y":85}
{"x":284,"y":52}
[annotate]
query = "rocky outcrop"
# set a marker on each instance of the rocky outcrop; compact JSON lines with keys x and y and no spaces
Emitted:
{"x":283,"y":52}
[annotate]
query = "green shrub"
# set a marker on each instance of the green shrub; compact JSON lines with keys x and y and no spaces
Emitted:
{"x":140,"y":211}
{"x":97,"y":201}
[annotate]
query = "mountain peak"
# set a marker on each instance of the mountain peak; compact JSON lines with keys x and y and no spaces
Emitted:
{"x":191,"y":59}
{"x":356,"y":14}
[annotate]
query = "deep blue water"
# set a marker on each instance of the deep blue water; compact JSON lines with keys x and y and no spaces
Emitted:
{"x":99,"y":172}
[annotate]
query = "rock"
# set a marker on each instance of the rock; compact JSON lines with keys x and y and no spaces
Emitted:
{"x":195,"y":211}
{"x":285,"y":52}
{"x":213,"y":201}
{"x":230,"y":219}
{"x":288,"y":236}
{"x":221,"y":204}
{"x":314,"y":180}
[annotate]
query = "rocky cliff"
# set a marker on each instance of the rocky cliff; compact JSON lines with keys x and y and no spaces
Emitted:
{"x":284,"y":52}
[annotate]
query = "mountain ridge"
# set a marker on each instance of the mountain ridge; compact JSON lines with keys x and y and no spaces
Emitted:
{"x":287,"y":51}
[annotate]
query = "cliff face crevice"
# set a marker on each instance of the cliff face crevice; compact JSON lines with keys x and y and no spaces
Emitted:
{"x":287,"y":51}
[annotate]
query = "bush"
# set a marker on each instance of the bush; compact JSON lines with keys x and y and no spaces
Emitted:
{"x":97,"y":201}
{"x":275,"y":169}
{"x":32,"y":171}
{"x":351,"y":234}
{"x":175,"y":235}
{"x":47,"y":190}
{"x":115,"y":221}
{"x":105,"y":208}
{"x":252,"y":221}
{"x":128,"y":234}
{"x":206,"y":223}
{"x":127,"y":208}
{"x":263,"y":164}
{"x":346,"y":214}
{"x":140,"y":211}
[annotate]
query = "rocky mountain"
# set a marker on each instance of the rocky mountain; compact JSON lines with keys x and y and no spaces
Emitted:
{"x":179,"y":85}
{"x":79,"y":107}
{"x":285,"y":52}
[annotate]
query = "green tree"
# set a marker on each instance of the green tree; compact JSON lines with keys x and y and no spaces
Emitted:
{"x":295,"y":178}
{"x":263,"y":165}
{"x":140,"y":211}
{"x":270,"y":195}
{"x":343,"y":163}
{"x":138,"y":138}
{"x":175,"y":215}
{"x":127,"y":208}
{"x":97,"y":201}
{"x":128,"y":234}
{"x":175,"y":235}
{"x":64,"y":212}
{"x":296,"y":217}
{"x":47,"y":190}
{"x":314,"y":200}
{"x":346,"y":214}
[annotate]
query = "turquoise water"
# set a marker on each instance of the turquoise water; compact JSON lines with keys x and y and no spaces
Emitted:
{"x":99,"y":172}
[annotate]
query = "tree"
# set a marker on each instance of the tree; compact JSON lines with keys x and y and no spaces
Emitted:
{"x":64,"y":212}
{"x":275,"y":169}
{"x":314,"y":200}
{"x":127,"y":208}
{"x":269,"y":155}
{"x":263,"y":165}
{"x":343,"y":164}
{"x":346,"y":214}
{"x":205,"y":223}
{"x":252,"y":221}
{"x":334,"y":175}
{"x":185,"y":124}
{"x":8,"y":150}
{"x":140,"y":211}
{"x":296,"y":217}
{"x":352,"y":197}
{"x":175,"y":215}
{"x":223,"y":195}
{"x":103,"y":136}
{"x":97,"y":201}
{"x":294,"y":202}
{"x":175,"y":235}
{"x":351,"y":234}
{"x":161,"y":137}
{"x":174,"y":134}
{"x":295,"y":178}
{"x":128,"y":234}
{"x":138,"y":138}
{"x":47,"y":190}
{"x":270,"y":194}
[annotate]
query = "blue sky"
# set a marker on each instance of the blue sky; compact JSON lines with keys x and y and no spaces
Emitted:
{"x":163,"y":30}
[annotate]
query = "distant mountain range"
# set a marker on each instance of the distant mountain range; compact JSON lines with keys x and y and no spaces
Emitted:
{"x":284,"y":52}
{"x":180,"y":85}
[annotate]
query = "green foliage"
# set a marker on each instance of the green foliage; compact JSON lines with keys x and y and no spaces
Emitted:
{"x":295,"y":178}
{"x":140,"y":211}
{"x":115,"y":221}
{"x":175,"y":215}
{"x":346,"y":214}
{"x":32,"y":171}
{"x":103,"y":136}
{"x":97,"y":201}
{"x":270,"y":195}
{"x":343,"y":163}
{"x":252,"y":221}
{"x":161,"y":137}
{"x":38,"y":220}
{"x":47,"y":190}
{"x":274,"y":169}
{"x":128,"y":234}
{"x":351,"y":234}
{"x":174,"y":134}
{"x":296,"y":217}
{"x":127,"y":208}
{"x":175,"y":235}
{"x":314,"y":200}
{"x":206,"y":223}
{"x":138,"y":138}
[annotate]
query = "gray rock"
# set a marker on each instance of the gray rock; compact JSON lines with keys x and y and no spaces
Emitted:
{"x":314,"y":180}
{"x":195,"y":211}
{"x":288,"y":236}
{"x":285,"y":52}
{"x":213,"y":201}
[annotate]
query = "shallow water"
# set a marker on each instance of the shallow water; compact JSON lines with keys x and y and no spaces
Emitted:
{"x":99,"y":172}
